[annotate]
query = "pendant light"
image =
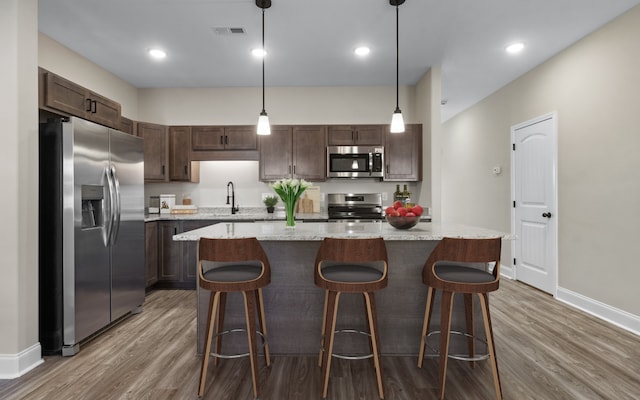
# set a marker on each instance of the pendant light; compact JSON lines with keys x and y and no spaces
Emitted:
{"x":263,"y":119}
{"x":397,"y":122}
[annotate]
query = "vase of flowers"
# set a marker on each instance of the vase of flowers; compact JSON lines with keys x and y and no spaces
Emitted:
{"x":290,"y":191}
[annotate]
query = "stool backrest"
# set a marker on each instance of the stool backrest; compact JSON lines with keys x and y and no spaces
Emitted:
{"x":463,"y":250}
{"x":232,"y":251}
{"x":352,"y":250}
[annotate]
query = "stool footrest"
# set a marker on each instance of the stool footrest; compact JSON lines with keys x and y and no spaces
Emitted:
{"x":230,"y":356}
{"x":351,"y":357}
{"x":461,"y":357}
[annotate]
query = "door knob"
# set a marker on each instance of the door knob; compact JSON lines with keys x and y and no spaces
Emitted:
{"x":546,"y":215}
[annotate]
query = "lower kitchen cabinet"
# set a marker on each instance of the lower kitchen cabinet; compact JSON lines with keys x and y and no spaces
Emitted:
{"x":151,"y":253}
{"x":177,"y":260}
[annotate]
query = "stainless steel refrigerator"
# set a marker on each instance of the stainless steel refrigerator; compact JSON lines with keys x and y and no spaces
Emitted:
{"x":91,"y":237}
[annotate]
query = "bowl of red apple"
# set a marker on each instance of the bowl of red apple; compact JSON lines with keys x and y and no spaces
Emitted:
{"x":402,"y":216}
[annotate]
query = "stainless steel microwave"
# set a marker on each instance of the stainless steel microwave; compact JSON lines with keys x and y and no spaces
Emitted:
{"x":355,"y":162}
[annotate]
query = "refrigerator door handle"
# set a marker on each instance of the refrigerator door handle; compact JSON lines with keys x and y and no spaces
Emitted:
{"x":111,"y":207}
{"x":117,"y":208}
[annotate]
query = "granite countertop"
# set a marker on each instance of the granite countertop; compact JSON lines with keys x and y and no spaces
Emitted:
{"x":314,"y":231}
{"x":245,"y":214}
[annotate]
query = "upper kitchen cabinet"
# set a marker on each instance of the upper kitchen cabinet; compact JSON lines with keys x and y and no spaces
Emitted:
{"x":356,"y":135}
{"x":60,"y":94}
{"x":127,"y":126}
{"x":156,"y":151}
{"x":403,"y":154}
{"x":181,"y":168}
{"x":224,"y":143}
{"x":293,"y":152}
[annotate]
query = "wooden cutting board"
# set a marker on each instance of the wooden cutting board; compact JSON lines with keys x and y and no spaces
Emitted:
{"x":305,"y":204}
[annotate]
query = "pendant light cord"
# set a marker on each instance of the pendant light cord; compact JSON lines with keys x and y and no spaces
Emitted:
{"x":397,"y":58}
{"x":263,"y":55}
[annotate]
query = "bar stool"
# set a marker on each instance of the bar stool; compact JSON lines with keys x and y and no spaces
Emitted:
{"x":449,"y":269}
{"x":233,"y":265}
{"x":350,"y":266}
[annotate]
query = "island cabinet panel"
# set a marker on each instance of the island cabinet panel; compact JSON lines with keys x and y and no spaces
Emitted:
{"x":356,"y":135}
{"x":403,"y":154}
{"x":236,"y":142}
{"x":293,"y":152}
{"x":72,"y":99}
{"x":151,"y":253}
{"x":156,"y":151}
{"x":180,"y":166}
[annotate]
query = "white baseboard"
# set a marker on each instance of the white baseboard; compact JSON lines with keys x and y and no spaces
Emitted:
{"x":507,"y":271}
{"x":15,"y":365}
{"x":610,"y":314}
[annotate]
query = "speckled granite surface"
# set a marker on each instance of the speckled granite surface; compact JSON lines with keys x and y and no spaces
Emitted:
{"x":314,"y":231}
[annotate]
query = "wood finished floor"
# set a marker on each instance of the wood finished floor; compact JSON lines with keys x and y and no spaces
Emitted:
{"x":546,"y":350}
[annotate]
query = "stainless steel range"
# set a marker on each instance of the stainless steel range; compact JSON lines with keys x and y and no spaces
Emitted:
{"x":354,"y":206}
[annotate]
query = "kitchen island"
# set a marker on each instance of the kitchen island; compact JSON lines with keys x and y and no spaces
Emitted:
{"x":293,"y":304}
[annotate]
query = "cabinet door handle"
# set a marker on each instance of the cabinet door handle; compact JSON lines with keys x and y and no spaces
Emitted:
{"x":221,"y":139}
{"x":175,"y":230}
{"x":289,"y":168}
{"x":185,"y":170}
{"x":357,"y":136}
{"x":94,"y":106}
{"x":88,"y":101}
{"x":294,"y":169}
{"x":163,"y":170}
{"x":226,"y":139}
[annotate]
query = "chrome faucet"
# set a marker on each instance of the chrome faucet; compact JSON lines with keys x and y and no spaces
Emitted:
{"x":234,"y":208}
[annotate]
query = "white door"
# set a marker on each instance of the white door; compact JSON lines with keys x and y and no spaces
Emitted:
{"x":534,"y":202}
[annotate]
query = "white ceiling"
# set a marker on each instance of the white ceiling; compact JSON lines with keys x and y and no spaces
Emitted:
{"x":310,"y":43}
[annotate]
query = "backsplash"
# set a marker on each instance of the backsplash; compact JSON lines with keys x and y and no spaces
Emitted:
{"x":214,"y":176}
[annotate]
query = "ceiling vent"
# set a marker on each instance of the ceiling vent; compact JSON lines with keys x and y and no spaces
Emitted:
{"x":227,"y":31}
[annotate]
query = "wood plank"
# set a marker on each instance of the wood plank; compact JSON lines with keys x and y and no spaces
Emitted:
{"x":545,"y":350}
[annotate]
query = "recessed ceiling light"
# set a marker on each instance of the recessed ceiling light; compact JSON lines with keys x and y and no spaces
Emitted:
{"x":157,"y":54}
{"x":514,"y":48}
{"x":362,"y":51}
{"x":259,"y":52}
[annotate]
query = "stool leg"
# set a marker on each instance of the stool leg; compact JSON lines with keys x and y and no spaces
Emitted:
{"x":488,"y":328}
{"x":250,"y":317}
{"x":375,"y":340}
{"x":263,"y":326}
{"x":329,"y":331}
{"x":445,"y":332}
{"x":468,"y":312}
{"x":324,"y":322}
{"x":222,"y":304}
{"x":425,"y":324}
{"x":213,"y":307}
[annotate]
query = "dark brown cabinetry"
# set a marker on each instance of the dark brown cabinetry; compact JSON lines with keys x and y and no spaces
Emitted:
{"x":403,"y":154}
{"x":180,"y":166}
{"x":72,"y":99}
{"x":224,"y":143}
{"x":293,"y":152}
{"x":156,"y":151}
{"x":177,"y":260}
{"x":151,"y":253}
{"x":127,"y":126}
{"x":356,"y":135}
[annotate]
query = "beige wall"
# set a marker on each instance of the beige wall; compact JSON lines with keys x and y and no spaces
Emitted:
{"x":57,"y":58}
{"x":595,"y":88}
{"x":19,"y":177}
{"x":285,"y":105}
